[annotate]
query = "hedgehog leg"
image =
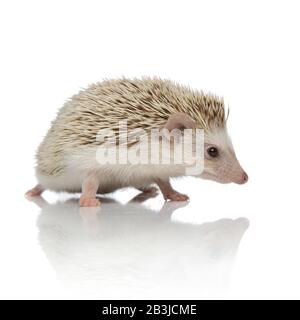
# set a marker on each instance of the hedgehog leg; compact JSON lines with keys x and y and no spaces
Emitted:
{"x":147,"y":193}
{"x":169,"y":193}
{"x":90,"y":186}
{"x":36,"y":191}
{"x":148,"y":189}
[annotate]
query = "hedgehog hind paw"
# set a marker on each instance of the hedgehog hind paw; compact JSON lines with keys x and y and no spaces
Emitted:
{"x":34,"y":192}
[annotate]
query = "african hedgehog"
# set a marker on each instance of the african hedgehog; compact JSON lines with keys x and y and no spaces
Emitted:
{"x":67,"y":157}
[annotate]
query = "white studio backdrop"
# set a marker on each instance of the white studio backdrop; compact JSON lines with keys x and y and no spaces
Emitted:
{"x":246,"y":51}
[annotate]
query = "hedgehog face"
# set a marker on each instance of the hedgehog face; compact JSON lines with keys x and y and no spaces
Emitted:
{"x":220,"y":161}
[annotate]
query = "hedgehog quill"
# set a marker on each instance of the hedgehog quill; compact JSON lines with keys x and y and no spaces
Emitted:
{"x":67,"y":157}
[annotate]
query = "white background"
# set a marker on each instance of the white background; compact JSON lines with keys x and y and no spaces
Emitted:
{"x":247,"y":51}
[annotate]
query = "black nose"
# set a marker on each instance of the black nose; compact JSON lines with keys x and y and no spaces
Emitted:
{"x":245,"y":177}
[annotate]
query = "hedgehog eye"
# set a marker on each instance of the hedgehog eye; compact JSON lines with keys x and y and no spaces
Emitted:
{"x":213,"y":152}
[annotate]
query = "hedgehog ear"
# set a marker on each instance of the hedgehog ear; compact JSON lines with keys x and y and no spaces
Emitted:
{"x":180,"y":120}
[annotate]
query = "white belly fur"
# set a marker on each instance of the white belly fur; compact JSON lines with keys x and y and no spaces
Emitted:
{"x":112,"y":177}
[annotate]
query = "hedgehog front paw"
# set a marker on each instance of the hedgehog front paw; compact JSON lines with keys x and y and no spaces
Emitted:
{"x":149,"y":190}
{"x":89,"y":202}
{"x":176,"y":196}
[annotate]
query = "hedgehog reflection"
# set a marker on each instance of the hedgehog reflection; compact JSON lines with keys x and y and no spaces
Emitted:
{"x":129,"y":251}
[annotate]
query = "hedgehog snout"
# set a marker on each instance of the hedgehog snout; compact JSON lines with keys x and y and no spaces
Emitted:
{"x":243,"y":178}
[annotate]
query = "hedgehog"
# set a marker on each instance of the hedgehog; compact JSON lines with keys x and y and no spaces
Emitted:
{"x":67,"y":159}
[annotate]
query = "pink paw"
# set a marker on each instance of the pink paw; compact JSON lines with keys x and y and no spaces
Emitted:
{"x":151,"y":190}
{"x":176,"y":196}
{"x":36,"y":191}
{"x":89,"y":202}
